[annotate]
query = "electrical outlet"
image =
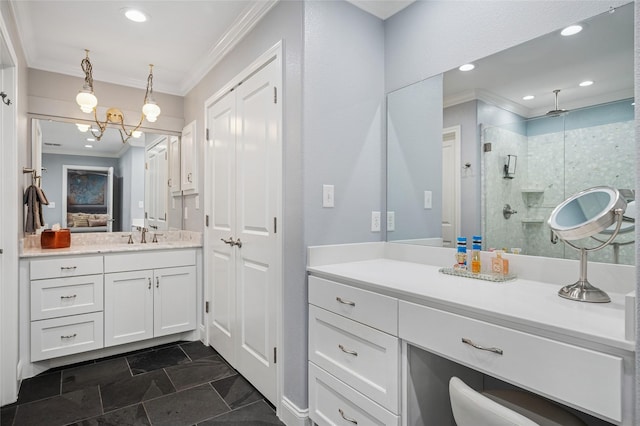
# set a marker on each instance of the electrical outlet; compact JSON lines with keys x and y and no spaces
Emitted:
{"x":428,"y":202}
{"x":375,"y":221}
{"x":327,"y":196}
{"x":391,"y":221}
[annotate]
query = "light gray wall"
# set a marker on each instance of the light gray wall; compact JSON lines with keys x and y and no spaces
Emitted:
{"x":414,"y":159}
{"x":637,"y":233}
{"x":343,"y":121}
{"x":282,"y":23}
{"x":52,"y":179}
{"x":53,"y":94}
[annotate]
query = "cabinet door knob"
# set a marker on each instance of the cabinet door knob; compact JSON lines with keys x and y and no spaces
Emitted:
{"x":149,"y":283}
{"x":157,"y":282}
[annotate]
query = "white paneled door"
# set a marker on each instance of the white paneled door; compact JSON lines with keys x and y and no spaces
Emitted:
{"x":244,"y":253}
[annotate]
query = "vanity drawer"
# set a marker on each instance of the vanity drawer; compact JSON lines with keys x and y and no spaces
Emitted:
{"x":373,"y":309}
{"x":65,"y":267}
{"x":66,"y":296}
{"x":148,"y":260}
{"x":331,"y":402}
{"x":360,"y":356}
{"x":65,"y":336}
{"x":589,"y":380}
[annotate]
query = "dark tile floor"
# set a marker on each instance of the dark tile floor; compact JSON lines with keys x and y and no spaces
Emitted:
{"x":177,"y":384}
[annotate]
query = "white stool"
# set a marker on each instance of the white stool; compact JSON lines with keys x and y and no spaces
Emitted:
{"x":505,"y":408}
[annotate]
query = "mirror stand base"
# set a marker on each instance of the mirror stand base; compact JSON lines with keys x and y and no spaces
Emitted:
{"x":583,"y":291}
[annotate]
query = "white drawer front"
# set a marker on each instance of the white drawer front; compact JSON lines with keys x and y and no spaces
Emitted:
{"x":373,"y":309}
{"x":362,"y":357}
{"x":577,"y":376}
{"x":65,"y":267}
{"x":65,"y":336}
{"x":123,"y":262}
{"x":331,"y":402}
{"x":66,"y":296}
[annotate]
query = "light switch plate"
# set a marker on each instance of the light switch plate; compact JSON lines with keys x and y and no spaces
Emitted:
{"x":428,"y":202}
{"x":375,"y":221}
{"x":328,"y":196}
{"x":391,"y":221}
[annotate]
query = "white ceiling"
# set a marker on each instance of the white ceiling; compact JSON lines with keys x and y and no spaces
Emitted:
{"x":183,"y":39}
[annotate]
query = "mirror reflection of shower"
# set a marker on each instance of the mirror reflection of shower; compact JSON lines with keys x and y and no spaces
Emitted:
{"x":558,"y":155}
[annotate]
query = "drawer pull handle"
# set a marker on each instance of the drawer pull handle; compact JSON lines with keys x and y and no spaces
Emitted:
{"x":482,"y":348}
{"x":347,"y":351}
{"x":349,"y":419}
{"x":73,"y":296}
{"x":68,"y":268}
{"x":345,"y":302}
{"x":71,"y":336}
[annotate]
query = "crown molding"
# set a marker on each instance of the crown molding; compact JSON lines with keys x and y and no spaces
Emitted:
{"x":240,"y":28}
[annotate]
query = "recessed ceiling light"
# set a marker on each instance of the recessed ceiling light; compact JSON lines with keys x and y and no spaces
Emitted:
{"x":528,"y":97}
{"x":586,"y":83}
{"x":466,"y":67}
{"x":88,"y":146}
{"x":571,"y":30}
{"x":91,"y":140}
{"x":135,"y":15}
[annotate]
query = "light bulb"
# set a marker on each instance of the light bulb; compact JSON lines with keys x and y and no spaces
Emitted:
{"x":136,"y":134}
{"x":83,"y":127}
{"x":86,"y":100}
{"x":151,"y":111}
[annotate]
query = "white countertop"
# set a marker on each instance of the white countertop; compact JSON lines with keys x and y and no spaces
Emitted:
{"x":523,"y":304}
{"x":92,"y":243}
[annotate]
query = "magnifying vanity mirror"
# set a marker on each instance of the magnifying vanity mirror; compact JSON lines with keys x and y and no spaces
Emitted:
{"x":480,"y":122}
{"x":103,"y":186}
{"x":584,"y":215}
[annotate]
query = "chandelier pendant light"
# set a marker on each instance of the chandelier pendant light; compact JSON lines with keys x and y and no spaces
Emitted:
{"x":88,"y":103}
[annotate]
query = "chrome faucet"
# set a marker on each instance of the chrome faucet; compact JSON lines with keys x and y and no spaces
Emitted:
{"x":143,"y":233}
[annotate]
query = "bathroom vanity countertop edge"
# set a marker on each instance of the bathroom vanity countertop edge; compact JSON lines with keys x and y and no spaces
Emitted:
{"x":520,"y":304}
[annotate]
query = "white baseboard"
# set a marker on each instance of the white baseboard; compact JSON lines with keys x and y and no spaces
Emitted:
{"x":291,"y":415}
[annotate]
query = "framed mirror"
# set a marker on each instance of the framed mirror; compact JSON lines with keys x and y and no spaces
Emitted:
{"x":487,"y":125}
{"x":77,"y":169}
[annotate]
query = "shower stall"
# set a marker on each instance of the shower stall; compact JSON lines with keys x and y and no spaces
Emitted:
{"x":532,"y":165}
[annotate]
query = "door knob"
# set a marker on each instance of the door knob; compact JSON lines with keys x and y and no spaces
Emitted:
{"x":238,"y":243}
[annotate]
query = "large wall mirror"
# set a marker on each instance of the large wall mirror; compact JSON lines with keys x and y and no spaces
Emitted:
{"x":105,"y":185}
{"x":511,"y":148}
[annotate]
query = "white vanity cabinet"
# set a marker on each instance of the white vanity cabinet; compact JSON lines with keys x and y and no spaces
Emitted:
{"x":354,"y":355}
{"x":66,"y":303}
{"x":149,"y":295}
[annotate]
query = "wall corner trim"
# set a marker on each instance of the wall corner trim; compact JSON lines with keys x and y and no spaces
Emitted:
{"x":291,"y":415}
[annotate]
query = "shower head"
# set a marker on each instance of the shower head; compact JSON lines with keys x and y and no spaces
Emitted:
{"x":556,"y":111}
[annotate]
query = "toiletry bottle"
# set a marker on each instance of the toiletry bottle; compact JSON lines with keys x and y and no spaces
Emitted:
{"x":461,"y":253}
{"x":476,"y":247}
{"x":499,"y":265}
